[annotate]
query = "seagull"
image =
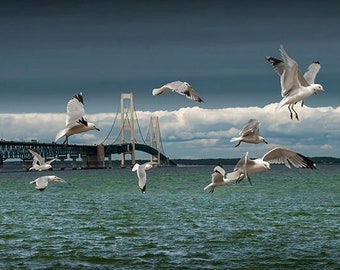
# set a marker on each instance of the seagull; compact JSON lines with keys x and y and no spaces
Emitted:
{"x":141,"y":173}
{"x":278,"y":155}
{"x":295,"y":87}
{"x":217,"y":178}
{"x":39,"y":163}
{"x":42,"y":182}
{"x":182,"y":88}
{"x":75,"y":121}
{"x":250,"y":134}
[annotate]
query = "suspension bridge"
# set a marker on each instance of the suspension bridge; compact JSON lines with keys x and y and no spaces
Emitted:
{"x":101,"y":155}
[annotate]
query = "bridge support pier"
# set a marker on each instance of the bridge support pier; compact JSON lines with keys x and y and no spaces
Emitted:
{"x":130,"y":151}
{"x":74,"y":163}
{"x":62,"y":162}
{"x":94,"y":161}
{"x":155,"y":136}
{"x":110,"y":165}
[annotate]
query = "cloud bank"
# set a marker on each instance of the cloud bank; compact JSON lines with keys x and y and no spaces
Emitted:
{"x":194,"y":132}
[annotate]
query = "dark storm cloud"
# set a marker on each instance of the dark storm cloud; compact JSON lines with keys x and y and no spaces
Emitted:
{"x":51,"y":49}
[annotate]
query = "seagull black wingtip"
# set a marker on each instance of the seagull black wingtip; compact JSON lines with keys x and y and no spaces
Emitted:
{"x":308,"y":162}
{"x":273,"y":61}
{"x":143,"y":189}
{"x":79,"y":97}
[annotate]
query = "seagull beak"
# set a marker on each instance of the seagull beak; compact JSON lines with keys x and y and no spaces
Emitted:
{"x":320,"y":90}
{"x":98,"y":129}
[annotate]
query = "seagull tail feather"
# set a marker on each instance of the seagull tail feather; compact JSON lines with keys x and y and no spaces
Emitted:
{"x":281,"y":104}
{"x":208,"y":186}
{"x":157,"y":91}
{"x":234,"y":139}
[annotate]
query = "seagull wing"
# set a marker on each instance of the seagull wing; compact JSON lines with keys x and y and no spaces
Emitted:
{"x":235,"y":176}
{"x":240,"y":169}
{"x":148,"y":165}
{"x":242,"y":163}
{"x":290,"y":78}
{"x":141,"y":178}
{"x":251,"y":129}
{"x":216,"y":178}
{"x":288,"y":157}
{"x":217,"y":175}
{"x":35,"y":162}
{"x":41,"y":182}
{"x":37,"y":157}
{"x":219,"y":169}
{"x":311,"y":72}
{"x":302,"y":79}
{"x":75,"y":111}
{"x":278,"y":65}
{"x":50,"y":161}
{"x":189,"y":92}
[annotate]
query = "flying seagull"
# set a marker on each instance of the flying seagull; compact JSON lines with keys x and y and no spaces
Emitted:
{"x":42,"y":182}
{"x":250,"y":134}
{"x":141,"y":173}
{"x":75,"y":121}
{"x":295,"y":87}
{"x":217,"y":178}
{"x":182,"y":88}
{"x":278,"y":155}
{"x":39,"y":163}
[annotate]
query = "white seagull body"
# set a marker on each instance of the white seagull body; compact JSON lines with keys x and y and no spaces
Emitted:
{"x":295,"y":87}
{"x":75,"y":121}
{"x":278,"y":155}
{"x":217,"y":179}
{"x":42,"y":182}
{"x":182,"y":88}
{"x":39,"y":163}
{"x":250,"y":134}
{"x":141,"y":173}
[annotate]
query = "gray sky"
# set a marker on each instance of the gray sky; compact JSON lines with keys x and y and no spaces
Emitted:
{"x":50,"y":50}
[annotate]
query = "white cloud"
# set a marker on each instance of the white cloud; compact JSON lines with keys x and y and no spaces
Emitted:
{"x":194,"y":132}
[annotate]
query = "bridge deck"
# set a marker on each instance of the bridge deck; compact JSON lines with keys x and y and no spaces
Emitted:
{"x":13,"y":149}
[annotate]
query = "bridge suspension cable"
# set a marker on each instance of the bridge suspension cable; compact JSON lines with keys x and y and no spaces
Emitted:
{"x":113,"y":124}
{"x":161,"y":142}
{"x":140,"y":132}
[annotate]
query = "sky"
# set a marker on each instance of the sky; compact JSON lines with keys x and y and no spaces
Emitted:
{"x":51,"y":50}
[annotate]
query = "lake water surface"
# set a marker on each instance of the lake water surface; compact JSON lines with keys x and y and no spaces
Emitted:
{"x":288,"y":219}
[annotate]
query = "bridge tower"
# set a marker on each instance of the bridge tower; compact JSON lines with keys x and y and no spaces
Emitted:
{"x":127,"y":126}
{"x":155,"y":136}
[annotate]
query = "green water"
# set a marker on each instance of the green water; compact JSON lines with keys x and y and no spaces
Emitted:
{"x":288,"y":219}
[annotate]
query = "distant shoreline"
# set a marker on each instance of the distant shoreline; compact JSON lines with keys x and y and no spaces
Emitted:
{"x":233,"y":161}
